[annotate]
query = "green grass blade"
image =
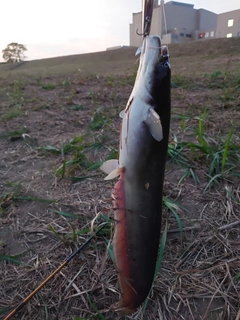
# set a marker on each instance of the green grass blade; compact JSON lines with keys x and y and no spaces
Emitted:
{"x":213,"y":179}
{"x":33,"y":199}
{"x":161,"y":250}
{"x":66,"y":214}
{"x":159,"y":262}
{"x":203,"y":148}
{"x":81,"y":178}
{"x":13,"y":134}
{"x":186,"y":174}
{"x":10,"y":259}
{"x":56,"y":234}
{"x":174,"y":208}
{"x":194,"y":176}
{"x":200,"y":130}
{"x":44,"y":305}
{"x":189,"y":173}
{"x":64,"y":162}
{"x":179,"y":224}
{"x":20,"y":253}
{"x":215,"y":165}
{"x":110,"y":249}
{"x":2,"y":311}
{"x":226,"y":148}
{"x":83,"y":231}
{"x":230,"y":194}
{"x":49,"y":149}
{"x":100,"y":316}
{"x":74,"y":233}
{"x":237,"y":277}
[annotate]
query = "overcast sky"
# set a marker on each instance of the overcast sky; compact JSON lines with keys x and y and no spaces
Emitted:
{"x":55,"y":27}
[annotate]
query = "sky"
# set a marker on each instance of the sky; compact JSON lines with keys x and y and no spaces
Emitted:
{"x":51,"y":28}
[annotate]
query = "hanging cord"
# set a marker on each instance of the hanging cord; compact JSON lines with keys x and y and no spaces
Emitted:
{"x":164,"y":17}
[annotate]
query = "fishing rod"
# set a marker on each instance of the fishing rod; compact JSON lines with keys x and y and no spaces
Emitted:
{"x":147,"y":12}
{"x":22,"y":304}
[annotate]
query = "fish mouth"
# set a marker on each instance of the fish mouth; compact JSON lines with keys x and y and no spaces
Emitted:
{"x":150,"y":53}
{"x":151,"y":42}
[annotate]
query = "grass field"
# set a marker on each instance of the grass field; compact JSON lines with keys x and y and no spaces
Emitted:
{"x":59,"y":120}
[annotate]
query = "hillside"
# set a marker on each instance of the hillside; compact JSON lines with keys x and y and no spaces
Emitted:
{"x":224,"y":53}
{"x":58,"y":125}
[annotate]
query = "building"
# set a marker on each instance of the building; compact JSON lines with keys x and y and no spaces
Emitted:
{"x":228,"y":24}
{"x":176,"y":22}
{"x":117,"y":47}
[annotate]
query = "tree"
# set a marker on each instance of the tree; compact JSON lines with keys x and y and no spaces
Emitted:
{"x":14,"y":52}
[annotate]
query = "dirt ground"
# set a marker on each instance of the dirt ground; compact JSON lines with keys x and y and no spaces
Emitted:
{"x":55,"y":131}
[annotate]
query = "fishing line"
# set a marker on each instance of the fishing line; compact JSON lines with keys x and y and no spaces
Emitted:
{"x":164,"y":16}
{"x":22,"y":304}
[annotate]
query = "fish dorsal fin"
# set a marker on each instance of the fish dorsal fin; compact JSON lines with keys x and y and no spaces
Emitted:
{"x":109,"y":165}
{"x":154,"y":124}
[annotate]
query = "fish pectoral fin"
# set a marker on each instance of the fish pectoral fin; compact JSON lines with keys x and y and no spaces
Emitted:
{"x":109,"y":166}
{"x":154,"y":124}
{"x":139,"y":50}
{"x":115,"y":173}
{"x":121,"y":114}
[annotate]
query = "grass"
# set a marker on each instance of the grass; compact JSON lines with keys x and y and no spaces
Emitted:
{"x":15,"y":194}
{"x":49,"y":86}
{"x":74,"y":155}
{"x":78,"y":107}
{"x":10,"y":259}
{"x":15,"y":93}
{"x":175,"y":209}
{"x":95,"y":309}
{"x":181,"y":81}
{"x":11,"y":114}
{"x":98,"y":120}
{"x":219,"y":155}
{"x":15,"y":99}
{"x":74,"y":234}
{"x":14,"y":134}
{"x":51,"y":216}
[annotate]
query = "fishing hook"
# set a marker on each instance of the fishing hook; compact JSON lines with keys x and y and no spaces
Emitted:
{"x":145,"y":32}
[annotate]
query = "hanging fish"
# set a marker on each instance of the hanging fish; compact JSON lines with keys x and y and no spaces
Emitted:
{"x":137,"y":196}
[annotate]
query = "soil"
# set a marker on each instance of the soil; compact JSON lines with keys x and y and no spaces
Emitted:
{"x":55,"y":130}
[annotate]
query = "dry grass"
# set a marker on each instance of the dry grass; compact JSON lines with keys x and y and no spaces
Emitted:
{"x":46,"y":214}
{"x":186,"y":58}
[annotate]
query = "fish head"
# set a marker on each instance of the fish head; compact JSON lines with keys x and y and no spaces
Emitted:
{"x":149,"y":59}
{"x":151,"y":50}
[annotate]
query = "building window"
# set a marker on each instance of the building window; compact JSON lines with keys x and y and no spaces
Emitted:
{"x":212,"y":34}
{"x":238,"y":34}
{"x":230,"y":22}
{"x":229,"y":35}
{"x":181,"y":34}
{"x":188,"y":35}
{"x":206,"y":34}
{"x":174,"y":36}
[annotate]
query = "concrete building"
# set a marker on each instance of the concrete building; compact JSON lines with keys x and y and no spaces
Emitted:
{"x":228,"y":24}
{"x":176,"y":22}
